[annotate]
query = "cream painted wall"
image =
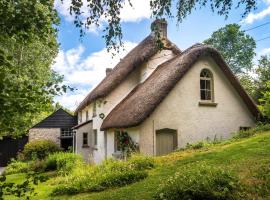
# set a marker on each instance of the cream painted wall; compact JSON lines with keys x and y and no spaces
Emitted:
{"x":52,"y":134}
{"x":85,"y":152}
{"x":180,"y":111}
{"x":147,"y":68}
{"x":105,"y":105}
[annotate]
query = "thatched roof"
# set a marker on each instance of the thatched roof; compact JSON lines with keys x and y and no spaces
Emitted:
{"x":143,"y":99}
{"x":130,"y":62}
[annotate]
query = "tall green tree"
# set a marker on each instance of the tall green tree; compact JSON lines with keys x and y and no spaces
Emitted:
{"x":28,"y":47}
{"x":88,"y":13}
{"x":265,"y":101}
{"x":262,"y":76}
{"x":237,"y":48}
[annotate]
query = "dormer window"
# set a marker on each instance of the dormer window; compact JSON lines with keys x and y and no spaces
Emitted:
{"x":80,"y":117}
{"x":206,"y":85}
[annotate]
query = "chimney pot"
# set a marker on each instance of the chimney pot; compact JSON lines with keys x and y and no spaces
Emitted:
{"x":108,"y":70}
{"x":159,"y":25}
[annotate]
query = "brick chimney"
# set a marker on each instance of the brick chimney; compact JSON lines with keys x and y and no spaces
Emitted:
{"x":108,"y":70}
{"x":159,"y":25}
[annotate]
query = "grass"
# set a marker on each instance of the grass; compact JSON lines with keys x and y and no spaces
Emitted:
{"x":249,"y":158}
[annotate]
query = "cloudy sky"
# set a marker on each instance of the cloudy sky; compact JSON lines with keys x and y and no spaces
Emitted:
{"x":83,"y":62}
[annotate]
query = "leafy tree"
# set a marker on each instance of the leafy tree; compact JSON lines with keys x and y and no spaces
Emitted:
{"x":236,"y":47}
{"x":109,"y":11}
{"x":28,"y":46}
{"x":265,"y":101}
{"x":263,"y":75}
{"x":248,"y":83}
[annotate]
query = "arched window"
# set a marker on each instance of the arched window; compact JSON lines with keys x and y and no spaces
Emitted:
{"x":206,"y":85}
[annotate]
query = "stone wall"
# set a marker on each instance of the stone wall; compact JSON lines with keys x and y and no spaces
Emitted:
{"x":52,"y":134}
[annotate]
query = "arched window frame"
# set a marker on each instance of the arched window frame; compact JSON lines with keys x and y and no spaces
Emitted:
{"x":206,"y":85}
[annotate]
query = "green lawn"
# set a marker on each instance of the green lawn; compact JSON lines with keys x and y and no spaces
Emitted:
{"x":248,"y":158}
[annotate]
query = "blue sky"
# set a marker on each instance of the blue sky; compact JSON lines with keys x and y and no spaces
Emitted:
{"x":83,"y":63}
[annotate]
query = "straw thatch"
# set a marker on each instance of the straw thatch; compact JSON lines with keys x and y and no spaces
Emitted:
{"x":143,"y":99}
{"x":133,"y":59}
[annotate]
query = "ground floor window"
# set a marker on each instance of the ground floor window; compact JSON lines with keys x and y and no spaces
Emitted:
{"x":85,"y":139}
{"x":66,"y":132}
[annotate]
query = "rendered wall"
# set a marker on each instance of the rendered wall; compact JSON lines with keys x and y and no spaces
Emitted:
{"x":180,"y":111}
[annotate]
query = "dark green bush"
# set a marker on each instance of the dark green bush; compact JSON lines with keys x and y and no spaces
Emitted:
{"x":39,"y":149}
{"x":200,"y":182}
{"x":63,"y":162}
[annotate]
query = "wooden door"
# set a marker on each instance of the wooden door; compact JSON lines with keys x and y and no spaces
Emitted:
{"x":166,"y":141}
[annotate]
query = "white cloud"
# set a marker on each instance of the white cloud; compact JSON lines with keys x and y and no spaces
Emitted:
{"x":84,"y":71}
{"x":140,"y":10}
{"x":264,"y":51}
{"x":257,"y":16}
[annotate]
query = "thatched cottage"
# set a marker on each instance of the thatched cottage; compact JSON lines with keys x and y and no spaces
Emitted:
{"x":163,"y":99}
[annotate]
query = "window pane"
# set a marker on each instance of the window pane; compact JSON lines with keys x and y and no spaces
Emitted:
{"x":208,"y":84}
{"x":85,"y":138}
{"x":208,"y":95}
{"x":202,"y":82}
{"x":202,"y":94}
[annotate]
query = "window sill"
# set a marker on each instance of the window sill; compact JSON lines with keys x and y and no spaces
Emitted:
{"x":85,"y":146}
{"x":210,"y":104}
{"x":95,"y":148}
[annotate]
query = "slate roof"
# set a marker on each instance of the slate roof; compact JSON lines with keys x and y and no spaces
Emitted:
{"x":58,"y":119}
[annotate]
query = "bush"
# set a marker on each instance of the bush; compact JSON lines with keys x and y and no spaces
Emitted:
{"x":140,"y":162}
{"x":201,"y":182}
{"x":111,"y":173}
{"x":39,"y":149}
{"x":63,"y":162}
{"x":250,"y":132}
{"x":15,"y":167}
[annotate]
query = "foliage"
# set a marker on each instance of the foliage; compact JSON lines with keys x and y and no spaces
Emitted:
{"x":263,"y":76}
{"x":28,"y":47}
{"x":235,"y":46}
{"x":140,"y":162}
{"x":200,"y":182}
{"x":126,"y":144}
{"x":260,"y":128}
{"x":20,"y":190}
{"x":248,"y":84}
{"x":62,"y":162}
{"x":110,"y":12}
{"x":16,"y":166}
{"x":111,"y":173}
{"x":265,"y":101}
{"x":39,"y":149}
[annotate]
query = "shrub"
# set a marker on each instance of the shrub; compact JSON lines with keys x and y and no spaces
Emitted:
{"x":111,"y":173}
{"x":201,"y":182}
{"x":140,"y":162}
{"x":63,"y":162}
{"x":39,"y":149}
{"x":15,"y":167}
{"x":250,"y":132}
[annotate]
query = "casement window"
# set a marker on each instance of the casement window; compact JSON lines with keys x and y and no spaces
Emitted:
{"x":95,"y":139}
{"x":87,"y":116}
{"x":66,"y":132}
{"x":85,"y":139}
{"x":94,"y":109}
{"x":206,"y":86}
